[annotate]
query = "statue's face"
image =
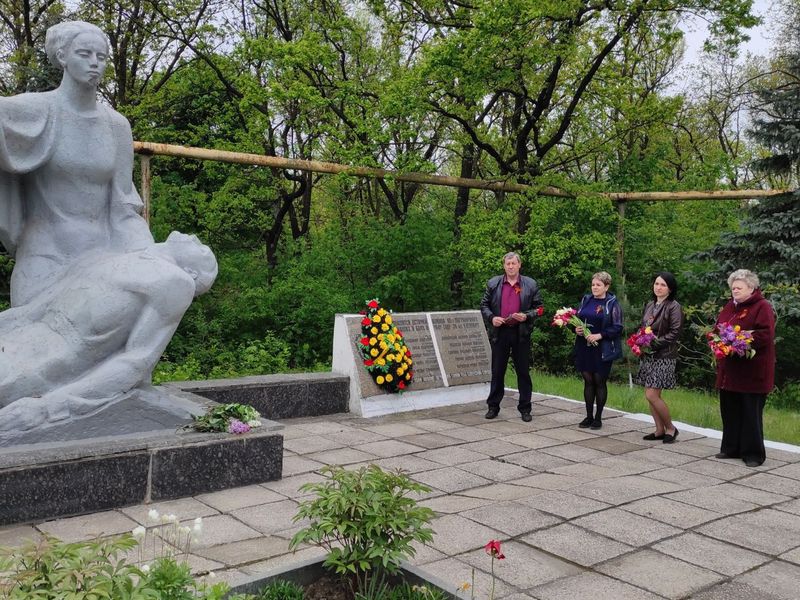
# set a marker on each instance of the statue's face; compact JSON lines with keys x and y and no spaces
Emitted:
{"x":85,"y":58}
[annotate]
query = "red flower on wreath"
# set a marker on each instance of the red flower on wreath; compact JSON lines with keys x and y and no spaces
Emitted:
{"x":369,"y":362}
{"x":373,"y":304}
{"x":365,"y":321}
{"x":365,"y":341}
{"x":401,"y":385}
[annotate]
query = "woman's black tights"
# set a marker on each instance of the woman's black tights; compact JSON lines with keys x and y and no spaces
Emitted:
{"x":595,"y":391}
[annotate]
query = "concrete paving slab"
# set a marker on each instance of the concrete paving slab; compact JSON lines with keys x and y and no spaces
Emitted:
{"x":268,"y":518}
{"x":713,"y":498}
{"x":454,"y":503}
{"x":499,"y":492}
{"x":749,"y":494}
{"x":720,"y":469}
{"x":473,"y":418}
{"x":550,"y":481}
{"x":425,"y":554}
{"x":453,"y":534}
{"x":324,"y":426}
{"x":228,"y":500}
{"x":430,"y":440}
{"x":494,"y":448}
{"x":458,"y":575}
{"x":531,"y":440}
{"x":783,"y":455}
{"x":511,"y":518}
{"x":771,"y":483}
{"x":523,"y":566}
{"x":507,"y":426}
{"x":660,"y":574}
{"x":711,"y":554}
{"x":626,"y":527}
{"x":793,"y":556}
{"x":792,"y":471}
{"x":312,"y":443}
{"x":537,"y":460}
{"x":777,"y":578}
{"x":686,"y":479}
{"x":290,"y":486}
{"x":575,"y":544}
{"x":609,"y":445}
{"x":793,"y":506}
{"x":564,"y":504}
{"x":659,"y":456}
{"x":621,"y":490}
{"x":626,"y":464}
{"x":450,"y":479}
{"x":574,"y":452}
{"x":494,"y":470}
{"x":557,"y":431}
{"x":183,"y":508}
{"x":88,"y":527}
{"x":354,"y":436}
{"x":586,"y":472}
{"x":769,"y":531}
{"x":296,"y":465}
{"x":281,"y":561}
{"x":387,"y":448}
{"x":671,"y":512}
{"x":223,"y":529}
{"x":471,"y":434}
{"x":446,"y":456}
{"x":245,"y":551}
{"x":594,"y":585}
{"x":341,"y":456}
{"x":15,"y":536}
{"x":690,"y":448}
{"x":410,"y":463}
{"x":734,"y":591}
{"x":394,"y":430}
{"x":434,"y":424}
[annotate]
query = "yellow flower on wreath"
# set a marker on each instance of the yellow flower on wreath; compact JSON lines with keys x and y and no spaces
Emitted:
{"x":379,"y":380}
{"x":381,"y":312}
{"x":389,"y":377}
{"x":384,"y":327}
{"x":380,"y":362}
{"x":376,"y":319}
{"x":389,"y":319}
{"x":374,"y":331}
{"x":373,"y":341}
{"x":373,"y":352}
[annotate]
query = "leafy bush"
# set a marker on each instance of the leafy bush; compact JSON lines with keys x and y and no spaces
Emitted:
{"x":77,"y":570}
{"x":364,"y":519}
{"x":281,"y":590}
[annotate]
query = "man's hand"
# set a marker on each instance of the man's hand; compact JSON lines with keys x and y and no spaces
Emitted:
{"x":519,"y":317}
{"x":498,"y":321}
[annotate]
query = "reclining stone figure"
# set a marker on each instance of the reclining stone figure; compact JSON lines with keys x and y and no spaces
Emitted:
{"x":97,"y":333}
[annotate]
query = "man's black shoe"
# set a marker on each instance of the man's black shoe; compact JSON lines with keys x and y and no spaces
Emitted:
{"x":587,"y":422}
{"x":492,"y":412}
{"x":526,"y":416}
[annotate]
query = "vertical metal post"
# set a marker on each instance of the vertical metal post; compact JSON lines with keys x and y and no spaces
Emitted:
{"x":146,"y":185}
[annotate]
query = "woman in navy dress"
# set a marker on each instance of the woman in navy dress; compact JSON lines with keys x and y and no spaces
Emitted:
{"x":597,"y":348}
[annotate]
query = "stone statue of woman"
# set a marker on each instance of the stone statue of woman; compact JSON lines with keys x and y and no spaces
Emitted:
{"x":65,"y":168}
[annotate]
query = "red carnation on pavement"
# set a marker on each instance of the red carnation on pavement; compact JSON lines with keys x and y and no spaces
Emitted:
{"x":493,"y":549}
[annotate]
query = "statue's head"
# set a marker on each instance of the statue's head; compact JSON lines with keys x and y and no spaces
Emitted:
{"x":195,"y":258}
{"x":80,"y":49}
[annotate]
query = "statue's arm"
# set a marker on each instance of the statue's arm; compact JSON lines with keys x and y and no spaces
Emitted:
{"x":129,"y":229}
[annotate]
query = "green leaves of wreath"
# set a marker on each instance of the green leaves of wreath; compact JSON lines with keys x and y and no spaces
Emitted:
{"x":383,"y":350}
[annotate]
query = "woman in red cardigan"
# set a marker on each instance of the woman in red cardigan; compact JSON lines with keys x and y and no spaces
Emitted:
{"x":744,"y":383}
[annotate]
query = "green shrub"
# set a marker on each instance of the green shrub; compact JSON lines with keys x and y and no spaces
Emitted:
{"x":281,"y":590}
{"x":365,"y":520}
{"x":72,"y":571}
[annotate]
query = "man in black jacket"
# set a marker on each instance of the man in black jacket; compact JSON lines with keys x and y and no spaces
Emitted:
{"x":509,"y":305}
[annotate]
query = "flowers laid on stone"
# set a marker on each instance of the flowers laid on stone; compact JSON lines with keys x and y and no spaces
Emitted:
{"x":228,"y":418}
{"x":383,"y":349}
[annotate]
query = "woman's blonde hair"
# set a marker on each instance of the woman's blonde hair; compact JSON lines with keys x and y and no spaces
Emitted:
{"x":602,"y":276}
{"x":750,"y":278}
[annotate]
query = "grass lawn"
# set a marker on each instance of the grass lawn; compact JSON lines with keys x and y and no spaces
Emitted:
{"x":689,"y":406}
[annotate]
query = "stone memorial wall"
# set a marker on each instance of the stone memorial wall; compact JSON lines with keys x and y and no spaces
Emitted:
{"x":452,"y":361}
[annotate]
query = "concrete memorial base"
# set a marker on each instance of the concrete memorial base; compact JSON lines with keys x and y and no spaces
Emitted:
{"x":452,"y":362}
{"x":143,"y":455}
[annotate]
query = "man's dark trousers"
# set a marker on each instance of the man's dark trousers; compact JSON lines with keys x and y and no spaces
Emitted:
{"x":509,"y":341}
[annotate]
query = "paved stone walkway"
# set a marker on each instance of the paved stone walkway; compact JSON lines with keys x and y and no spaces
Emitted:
{"x":581,"y":513}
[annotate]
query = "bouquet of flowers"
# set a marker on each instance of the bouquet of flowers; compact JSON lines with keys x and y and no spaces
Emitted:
{"x":569,"y":316}
{"x":230,"y":418}
{"x":383,"y":350}
{"x":639,"y":342}
{"x":726,"y":339}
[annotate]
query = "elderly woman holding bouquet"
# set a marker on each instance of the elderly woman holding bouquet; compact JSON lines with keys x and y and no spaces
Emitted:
{"x":661,"y":328}
{"x":744,"y":376}
{"x":597,"y":346}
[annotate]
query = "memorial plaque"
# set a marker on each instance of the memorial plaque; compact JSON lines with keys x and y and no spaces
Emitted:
{"x":417,"y":336}
{"x":463,"y":346}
